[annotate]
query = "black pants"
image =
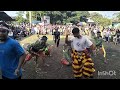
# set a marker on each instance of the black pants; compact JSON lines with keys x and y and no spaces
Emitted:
{"x":5,"y":78}
{"x":57,"y":41}
{"x":107,"y":39}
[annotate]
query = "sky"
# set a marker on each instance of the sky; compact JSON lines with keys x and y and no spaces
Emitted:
{"x":11,"y":13}
{"x":108,"y":14}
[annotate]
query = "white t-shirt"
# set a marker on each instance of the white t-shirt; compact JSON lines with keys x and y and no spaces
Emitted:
{"x":95,"y":31}
{"x":10,"y":34}
{"x":107,"y":34}
{"x":36,"y":29}
{"x":80,"y":44}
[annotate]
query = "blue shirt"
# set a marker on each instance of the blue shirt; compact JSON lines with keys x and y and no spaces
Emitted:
{"x":10,"y":53}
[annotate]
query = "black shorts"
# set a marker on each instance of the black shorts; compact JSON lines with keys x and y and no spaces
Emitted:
{"x":34,"y":49}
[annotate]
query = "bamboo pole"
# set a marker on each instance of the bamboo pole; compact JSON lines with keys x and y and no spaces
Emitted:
{"x":30,"y":19}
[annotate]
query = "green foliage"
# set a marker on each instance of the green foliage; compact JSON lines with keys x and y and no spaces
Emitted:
{"x":19,"y":18}
{"x":117,"y":17}
{"x":62,"y":17}
{"x":99,"y":19}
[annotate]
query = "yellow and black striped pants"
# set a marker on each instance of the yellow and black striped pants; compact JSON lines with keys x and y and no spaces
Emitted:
{"x":82,"y":65}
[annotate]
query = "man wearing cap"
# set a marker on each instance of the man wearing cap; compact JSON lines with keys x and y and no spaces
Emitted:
{"x":12,"y":55}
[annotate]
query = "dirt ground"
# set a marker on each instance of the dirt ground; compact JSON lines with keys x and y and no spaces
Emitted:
{"x":58,"y":71}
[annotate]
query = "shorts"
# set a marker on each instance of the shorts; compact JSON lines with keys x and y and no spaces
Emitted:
{"x":34,"y":49}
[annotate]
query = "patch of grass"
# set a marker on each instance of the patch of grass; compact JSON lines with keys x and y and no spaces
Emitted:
{"x":33,"y":38}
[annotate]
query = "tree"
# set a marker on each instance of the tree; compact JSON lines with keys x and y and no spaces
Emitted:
{"x":19,"y":18}
{"x":116,"y":17}
{"x":83,"y":19}
{"x":61,"y":17}
{"x":99,"y":19}
{"x":105,"y":22}
{"x":83,"y":13}
{"x":95,"y":14}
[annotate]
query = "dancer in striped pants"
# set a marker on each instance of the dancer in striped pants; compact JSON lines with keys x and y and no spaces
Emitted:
{"x":82,"y":63}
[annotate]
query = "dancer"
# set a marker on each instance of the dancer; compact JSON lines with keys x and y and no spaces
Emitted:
{"x":99,"y":45}
{"x":66,"y":60}
{"x":82,"y":63}
{"x":37,"y":49}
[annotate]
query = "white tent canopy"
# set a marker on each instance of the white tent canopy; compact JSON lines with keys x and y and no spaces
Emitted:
{"x":90,"y":20}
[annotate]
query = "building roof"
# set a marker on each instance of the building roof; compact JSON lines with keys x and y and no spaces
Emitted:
{"x":5,"y":17}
